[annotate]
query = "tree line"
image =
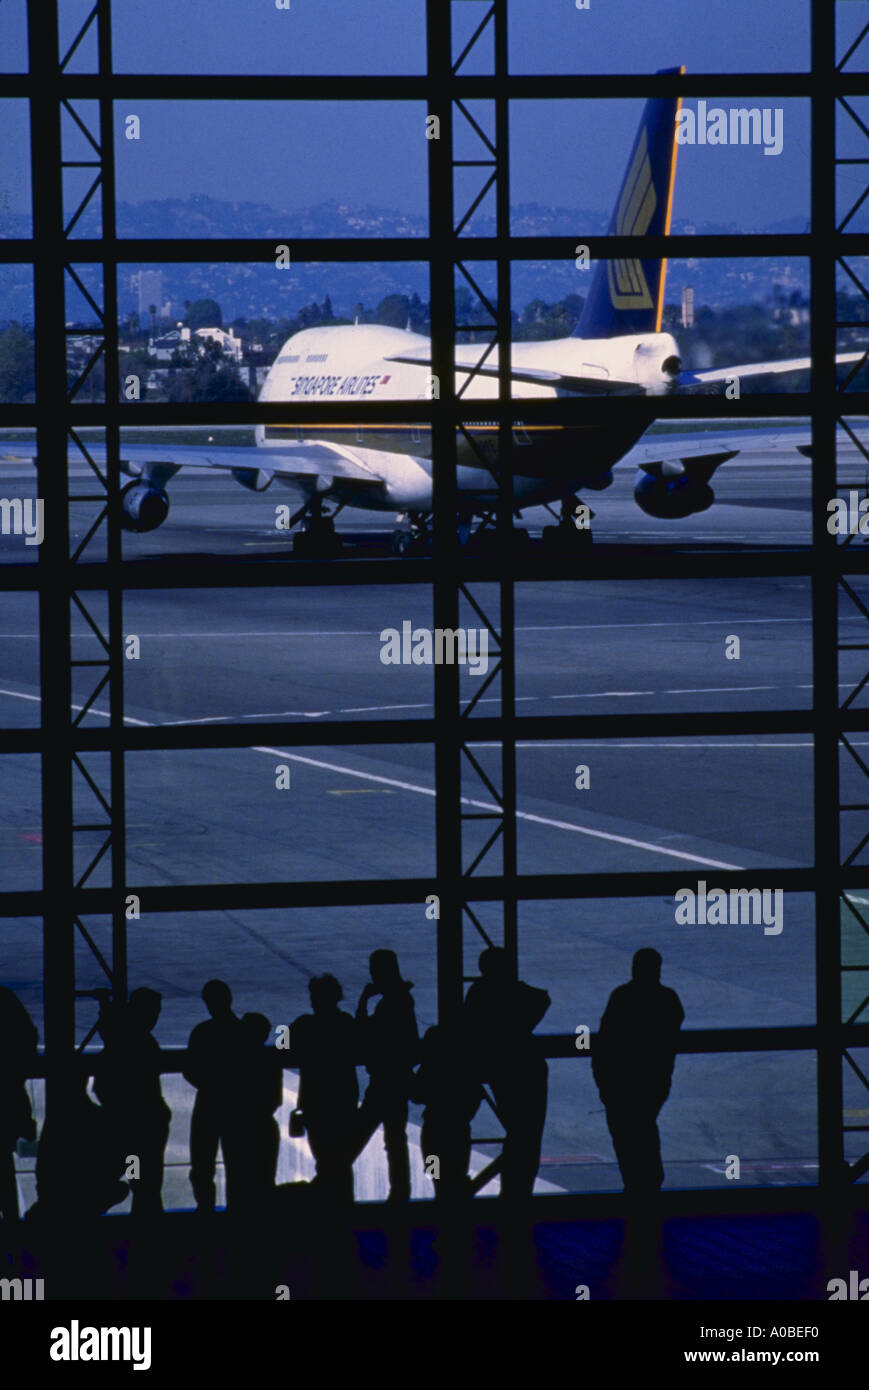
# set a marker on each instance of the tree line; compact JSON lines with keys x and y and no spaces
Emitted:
{"x":199,"y":371}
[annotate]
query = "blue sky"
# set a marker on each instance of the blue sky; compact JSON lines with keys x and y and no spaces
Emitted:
{"x":567,"y":153}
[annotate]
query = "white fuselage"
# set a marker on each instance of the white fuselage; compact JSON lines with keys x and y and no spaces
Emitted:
{"x":549,"y":460}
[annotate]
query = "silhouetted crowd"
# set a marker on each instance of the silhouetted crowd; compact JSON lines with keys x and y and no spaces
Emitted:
{"x":90,"y":1150}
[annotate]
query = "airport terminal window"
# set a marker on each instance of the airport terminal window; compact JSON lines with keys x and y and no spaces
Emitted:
{"x":760,"y":968}
{"x":653,"y":687}
{"x":203,"y":671}
{"x":389,"y":41}
{"x":233,"y":148}
{"x":544,"y":38}
{"x":653,"y":647}
{"x":376,"y":802}
{"x":696,"y":805}
{"x":21,"y":823}
{"x":19,"y":645}
{"x":704,"y":1122}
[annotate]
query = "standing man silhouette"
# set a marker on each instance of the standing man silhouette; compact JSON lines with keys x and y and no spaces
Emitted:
{"x":212,"y":1059}
{"x":632,"y":1062}
{"x":325,"y":1043}
{"x":390,"y":1046}
{"x":251,"y":1140}
{"x":127,"y":1085}
{"x":451,"y":1092}
{"x":501,"y":1014}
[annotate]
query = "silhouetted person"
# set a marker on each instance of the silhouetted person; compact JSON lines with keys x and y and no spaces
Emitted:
{"x":127,"y":1085}
{"x":211,"y":1060}
{"x":77,"y":1160}
{"x":390,"y":1046}
{"x":446,"y":1084}
{"x":252,"y":1139}
{"x":501,"y":1015}
{"x":325,"y":1044}
{"x":632,"y":1061}
{"x":18,"y":1039}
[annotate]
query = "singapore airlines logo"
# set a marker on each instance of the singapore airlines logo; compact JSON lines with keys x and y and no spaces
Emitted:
{"x":628,"y":286}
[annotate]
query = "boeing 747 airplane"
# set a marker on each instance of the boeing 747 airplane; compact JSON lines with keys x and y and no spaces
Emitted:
{"x":616,"y":349}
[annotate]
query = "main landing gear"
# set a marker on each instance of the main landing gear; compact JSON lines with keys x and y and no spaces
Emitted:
{"x":479,"y":535}
{"x":412,"y":535}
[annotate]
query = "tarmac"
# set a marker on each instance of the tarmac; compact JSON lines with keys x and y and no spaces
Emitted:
{"x":309,"y":654}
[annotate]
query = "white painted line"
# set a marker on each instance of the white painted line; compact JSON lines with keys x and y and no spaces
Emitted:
{"x":687,"y":622}
{"x":224,"y":718}
{"x":533,"y":627}
{"x":603,"y":744}
{"x":496,"y":699}
{"x":490,"y":806}
{"x":208,"y":719}
{"x":718,"y":689}
{"x":104,"y":714}
{"x":375,"y":709}
{"x":601,"y":694}
{"x":100,"y":713}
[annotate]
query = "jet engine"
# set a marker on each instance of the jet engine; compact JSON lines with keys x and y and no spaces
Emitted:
{"x":671,"y":497}
{"x":145,"y":507}
{"x":670,"y":488}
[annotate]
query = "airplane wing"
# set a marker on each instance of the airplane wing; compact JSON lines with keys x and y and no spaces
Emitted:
{"x":689,"y":380}
{"x":698,"y":453}
{"x":664,"y":446}
{"x":299,"y":465}
{"x":468,"y":361}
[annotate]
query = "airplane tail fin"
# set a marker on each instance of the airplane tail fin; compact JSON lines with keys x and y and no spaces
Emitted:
{"x":627,"y":296}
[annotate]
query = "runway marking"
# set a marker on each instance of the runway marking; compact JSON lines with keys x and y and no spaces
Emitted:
{"x":490,"y":806}
{"x":540,"y":627}
{"x":226,"y":718}
{"x":102,"y":714}
{"x":520,"y":627}
{"x":427,"y":704}
{"x":496,"y":699}
{"x":686,"y":622}
{"x":604,"y":744}
{"x":375,"y":709}
{"x":599,"y":694}
{"x":360,"y":791}
{"x":717,"y":689}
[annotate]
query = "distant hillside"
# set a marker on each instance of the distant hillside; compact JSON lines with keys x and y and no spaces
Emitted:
{"x":261,"y":290}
